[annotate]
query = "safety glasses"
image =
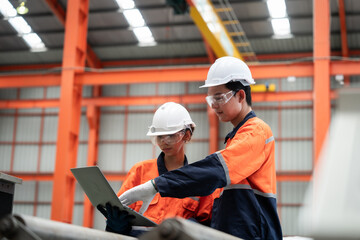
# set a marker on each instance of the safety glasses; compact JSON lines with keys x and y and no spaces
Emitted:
{"x":220,"y":99}
{"x":168,"y":139}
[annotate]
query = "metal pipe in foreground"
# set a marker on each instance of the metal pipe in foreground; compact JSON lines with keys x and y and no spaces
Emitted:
{"x":182,"y":229}
{"x":16,"y":227}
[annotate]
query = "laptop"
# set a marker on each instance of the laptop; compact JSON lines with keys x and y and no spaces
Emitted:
{"x":99,"y":191}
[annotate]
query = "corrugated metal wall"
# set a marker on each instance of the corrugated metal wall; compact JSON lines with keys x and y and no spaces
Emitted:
{"x":28,"y":141}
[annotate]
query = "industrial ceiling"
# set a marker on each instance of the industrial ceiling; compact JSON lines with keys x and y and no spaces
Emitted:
{"x":178,"y":39}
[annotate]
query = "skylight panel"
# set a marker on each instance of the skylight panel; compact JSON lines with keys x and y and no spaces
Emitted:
{"x":21,"y":27}
{"x":136,"y":22}
{"x":279,"y":20}
{"x":134,"y":18}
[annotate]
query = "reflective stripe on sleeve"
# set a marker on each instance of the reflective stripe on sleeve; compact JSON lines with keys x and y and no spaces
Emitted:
{"x":226,"y":170}
{"x":245,"y":186}
{"x":269,"y":139}
{"x":195,"y":198}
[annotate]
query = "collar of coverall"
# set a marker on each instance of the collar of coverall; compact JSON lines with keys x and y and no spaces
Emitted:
{"x":161,"y":163}
{"x":231,"y":134}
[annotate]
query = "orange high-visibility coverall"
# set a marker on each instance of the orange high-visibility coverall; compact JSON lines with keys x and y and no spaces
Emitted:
{"x":198,"y":208}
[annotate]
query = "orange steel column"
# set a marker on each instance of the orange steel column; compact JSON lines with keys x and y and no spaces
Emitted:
{"x":213,"y":130}
{"x":74,"y":55}
{"x":321,"y":97}
{"x":93,"y":117}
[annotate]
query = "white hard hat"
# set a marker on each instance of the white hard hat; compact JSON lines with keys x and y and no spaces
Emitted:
{"x":227,"y":69}
{"x":170,"y":118}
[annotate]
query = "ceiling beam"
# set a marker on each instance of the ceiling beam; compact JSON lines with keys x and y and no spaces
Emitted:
{"x":172,"y":74}
{"x":173,"y":61}
{"x":156,"y":100}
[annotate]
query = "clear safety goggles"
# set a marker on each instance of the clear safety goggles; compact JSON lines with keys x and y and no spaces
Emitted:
{"x":168,"y":139}
{"x":220,"y":99}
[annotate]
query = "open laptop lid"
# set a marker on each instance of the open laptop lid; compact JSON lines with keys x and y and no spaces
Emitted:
{"x":99,"y":191}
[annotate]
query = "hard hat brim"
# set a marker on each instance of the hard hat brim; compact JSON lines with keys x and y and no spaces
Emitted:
{"x":242,"y":81}
{"x":150,"y":134}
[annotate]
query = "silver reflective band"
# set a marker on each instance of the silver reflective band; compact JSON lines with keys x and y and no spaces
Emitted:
{"x":220,"y":99}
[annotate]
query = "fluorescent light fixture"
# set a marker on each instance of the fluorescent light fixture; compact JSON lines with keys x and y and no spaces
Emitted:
{"x":277,"y":8}
{"x":20,"y":25}
{"x":281,"y":27}
{"x":134,"y":18}
{"x":22,"y":9}
{"x":144,"y":36}
{"x":126,"y":4}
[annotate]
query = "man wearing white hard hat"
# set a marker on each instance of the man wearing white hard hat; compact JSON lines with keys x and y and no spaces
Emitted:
{"x":244,"y":171}
{"x":171,"y":128}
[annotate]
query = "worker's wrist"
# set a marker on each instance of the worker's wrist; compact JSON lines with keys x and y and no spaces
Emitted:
{"x":154,"y":185}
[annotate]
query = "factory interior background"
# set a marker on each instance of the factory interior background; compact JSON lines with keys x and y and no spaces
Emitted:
{"x":79,"y":87}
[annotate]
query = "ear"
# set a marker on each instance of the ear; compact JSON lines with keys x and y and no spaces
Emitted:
{"x":242,"y":95}
{"x":187,"y":136}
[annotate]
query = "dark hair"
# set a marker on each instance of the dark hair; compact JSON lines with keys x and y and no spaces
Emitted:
{"x":191,"y":129}
{"x":237,"y":86}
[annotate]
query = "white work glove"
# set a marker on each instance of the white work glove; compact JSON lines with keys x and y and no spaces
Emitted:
{"x":144,"y":192}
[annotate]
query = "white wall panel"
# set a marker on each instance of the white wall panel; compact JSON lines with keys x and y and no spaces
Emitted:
{"x":171,"y":88}
{"x":82,"y":155}
{"x":32,"y":93}
{"x":51,"y":110}
{"x":5,"y":156}
{"x":4,"y":111}
{"x":84,"y":128}
{"x":78,"y":213}
{"x":45,"y":191}
{"x":43,"y":211}
{"x":137,"y":152}
{"x":110,"y":157}
{"x":202,"y":124}
{"x":48,"y":155}
{"x":6,"y":128}
{"x":111,"y":127}
{"x":143,"y":89}
{"x":138,"y":125}
{"x":277,"y":154}
{"x":293,"y":192}
{"x":26,"y":209}
{"x":8,"y":93}
{"x":296,"y":123}
{"x":25,"y":191}
{"x":112,"y":109}
{"x":113,"y":90}
{"x":196,"y":151}
{"x":99,"y":221}
{"x":296,"y":155}
{"x":79,"y":193}
{"x":28,"y":128}
{"x":25,"y":158}
{"x":30,"y":110}
{"x":53,"y":92}
{"x":144,"y":108}
{"x":193,"y":87}
{"x":300,"y":84}
{"x":87,"y":91}
{"x":289,"y":222}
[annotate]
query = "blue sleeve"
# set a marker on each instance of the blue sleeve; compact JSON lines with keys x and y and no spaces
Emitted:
{"x":200,"y":178}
